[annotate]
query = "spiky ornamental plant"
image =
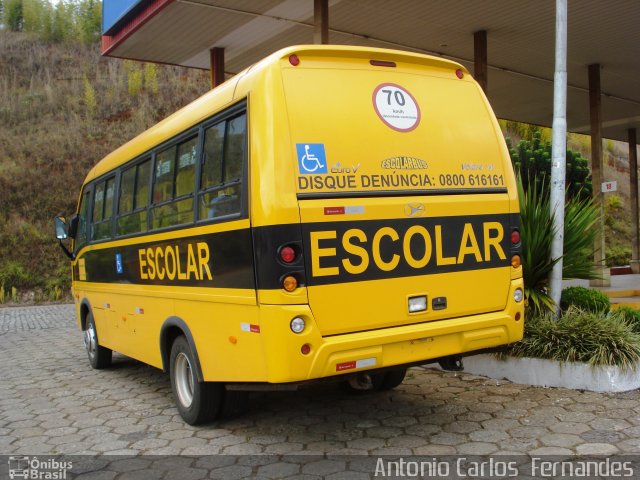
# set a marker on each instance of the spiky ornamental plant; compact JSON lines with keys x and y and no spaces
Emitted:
{"x":537,"y":229}
{"x":595,"y":338}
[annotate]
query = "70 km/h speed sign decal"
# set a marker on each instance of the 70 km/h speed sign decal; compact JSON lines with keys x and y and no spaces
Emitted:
{"x":396,"y":107}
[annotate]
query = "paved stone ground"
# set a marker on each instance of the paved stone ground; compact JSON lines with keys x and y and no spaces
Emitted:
{"x":52,"y":402}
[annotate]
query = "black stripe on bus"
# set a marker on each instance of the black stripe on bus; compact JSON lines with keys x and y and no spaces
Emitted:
{"x":221,"y":260}
{"x":352,"y":251}
{"x":328,"y":253}
{"x":402,"y":193}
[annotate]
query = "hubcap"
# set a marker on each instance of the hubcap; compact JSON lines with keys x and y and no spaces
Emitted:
{"x":184,"y":380}
{"x":90,"y":342}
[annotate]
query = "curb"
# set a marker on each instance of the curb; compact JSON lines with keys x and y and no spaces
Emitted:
{"x":549,"y":373}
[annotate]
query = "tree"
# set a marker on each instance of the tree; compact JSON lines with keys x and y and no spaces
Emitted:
{"x":34,"y":15}
{"x":13,"y":16}
{"x":89,"y":21}
{"x":62,"y":28}
{"x":66,"y":20}
{"x":532,"y":160}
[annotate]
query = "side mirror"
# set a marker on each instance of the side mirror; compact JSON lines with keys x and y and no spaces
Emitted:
{"x":62,"y":232}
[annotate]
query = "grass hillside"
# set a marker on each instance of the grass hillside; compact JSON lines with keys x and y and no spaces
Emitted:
{"x":62,"y":108}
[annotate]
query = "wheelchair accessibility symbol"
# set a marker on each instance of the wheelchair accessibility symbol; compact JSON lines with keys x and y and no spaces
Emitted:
{"x":311,"y":158}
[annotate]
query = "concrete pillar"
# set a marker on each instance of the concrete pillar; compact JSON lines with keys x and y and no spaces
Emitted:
{"x":595,"y":106}
{"x":216,"y":56}
{"x":633,"y":198}
{"x":480,"y":58}
{"x":558,"y":154}
{"x":321,"y":22}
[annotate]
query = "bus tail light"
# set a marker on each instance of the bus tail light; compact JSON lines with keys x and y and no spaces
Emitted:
{"x":305,"y":349}
{"x":515,"y":236}
{"x":287,"y":254}
{"x":279,"y":258}
{"x":289,"y":283}
{"x":516,"y":242}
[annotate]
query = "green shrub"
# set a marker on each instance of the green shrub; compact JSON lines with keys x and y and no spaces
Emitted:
{"x":586,"y":299}
{"x":13,"y":274}
{"x":581,"y":336}
{"x":58,"y":285}
{"x":631,"y":316}
{"x":618,"y":255}
{"x":613,"y":201}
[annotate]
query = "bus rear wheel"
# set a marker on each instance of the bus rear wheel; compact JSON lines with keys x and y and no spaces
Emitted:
{"x":197,"y":402}
{"x":393,"y":378}
{"x":99,"y":356}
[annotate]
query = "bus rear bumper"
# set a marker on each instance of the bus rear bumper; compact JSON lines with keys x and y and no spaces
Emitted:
{"x":378,"y":349}
{"x":412,"y":344}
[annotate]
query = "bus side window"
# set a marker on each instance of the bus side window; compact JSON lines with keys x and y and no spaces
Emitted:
{"x":98,"y":204}
{"x":235,"y":146}
{"x":102,"y":209}
{"x":186,"y":180}
{"x":132,"y":204}
{"x":83,"y":213}
{"x":141,"y":196}
{"x":224,"y":153}
{"x":161,"y":212}
{"x":125,"y":202}
{"x":174,"y":184}
{"x":212,"y":156}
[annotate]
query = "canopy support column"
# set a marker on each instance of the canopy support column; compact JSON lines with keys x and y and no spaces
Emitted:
{"x":480,"y":58}
{"x":633,"y":194}
{"x":559,"y":152}
{"x":321,"y":22}
{"x":595,"y":106}
{"x":216,"y":55}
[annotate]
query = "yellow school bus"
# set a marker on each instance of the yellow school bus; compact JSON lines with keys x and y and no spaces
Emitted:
{"x":331,"y":212}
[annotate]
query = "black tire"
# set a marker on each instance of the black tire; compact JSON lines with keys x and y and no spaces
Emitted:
{"x":234,"y":403}
{"x":393,"y":378}
{"x":197,"y":402}
{"x":99,"y":356}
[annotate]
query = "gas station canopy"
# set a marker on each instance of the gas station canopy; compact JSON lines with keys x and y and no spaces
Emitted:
{"x":518,"y":43}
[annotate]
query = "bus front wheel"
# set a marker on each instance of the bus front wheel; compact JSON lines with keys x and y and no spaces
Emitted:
{"x":99,"y":356}
{"x":197,"y":402}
